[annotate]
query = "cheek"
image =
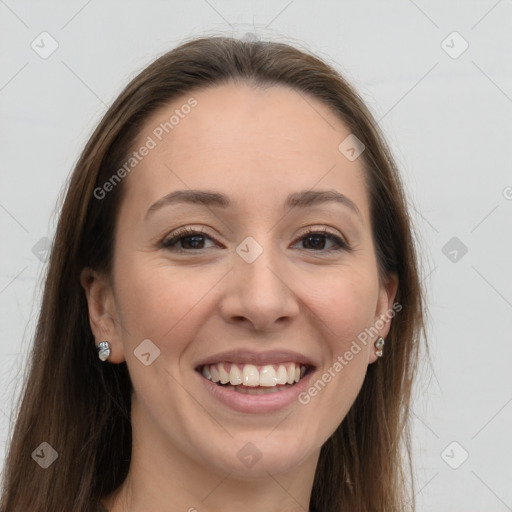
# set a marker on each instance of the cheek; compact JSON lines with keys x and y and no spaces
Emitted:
{"x":344,"y":301}
{"x":161,"y":303}
{"x":343,"y":305}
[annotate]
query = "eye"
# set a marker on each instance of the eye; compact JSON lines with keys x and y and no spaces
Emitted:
{"x":316,"y":239}
{"x":187,"y":239}
{"x":193,"y":240}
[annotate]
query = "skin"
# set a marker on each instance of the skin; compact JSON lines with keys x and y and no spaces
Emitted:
{"x":256,"y":146}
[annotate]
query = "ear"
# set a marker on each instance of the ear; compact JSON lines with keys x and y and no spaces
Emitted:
{"x":103,"y":316}
{"x":384,"y":312}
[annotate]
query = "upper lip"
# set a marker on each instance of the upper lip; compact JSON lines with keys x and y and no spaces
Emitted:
{"x":257,"y":358}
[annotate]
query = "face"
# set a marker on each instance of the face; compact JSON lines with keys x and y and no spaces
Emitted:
{"x":265,"y":272}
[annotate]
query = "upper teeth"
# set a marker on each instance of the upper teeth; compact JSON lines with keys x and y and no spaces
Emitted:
{"x":251,"y":375}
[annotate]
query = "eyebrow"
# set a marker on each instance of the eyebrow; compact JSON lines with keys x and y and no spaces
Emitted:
{"x":303,"y":199}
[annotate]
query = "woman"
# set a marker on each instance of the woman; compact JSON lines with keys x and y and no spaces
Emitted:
{"x":232,"y":309}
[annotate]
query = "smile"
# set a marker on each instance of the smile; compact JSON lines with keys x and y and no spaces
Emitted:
{"x":250,"y":375}
{"x":255,"y":388}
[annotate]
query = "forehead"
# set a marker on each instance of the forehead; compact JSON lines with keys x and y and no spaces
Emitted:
{"x":249,"y":140}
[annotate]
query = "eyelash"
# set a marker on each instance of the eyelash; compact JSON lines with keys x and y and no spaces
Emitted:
{"x":167,"y":243}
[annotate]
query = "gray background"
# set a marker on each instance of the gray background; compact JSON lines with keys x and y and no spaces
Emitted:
{"x":445,"y":111}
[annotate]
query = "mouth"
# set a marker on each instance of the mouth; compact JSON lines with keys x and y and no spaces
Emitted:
{"x":252,"y":379}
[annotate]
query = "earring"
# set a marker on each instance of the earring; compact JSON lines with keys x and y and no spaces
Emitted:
{"x":103,"y":349}
{"x":378,"y":345}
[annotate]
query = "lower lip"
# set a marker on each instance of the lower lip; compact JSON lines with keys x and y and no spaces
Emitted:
{"x":256,"y":404}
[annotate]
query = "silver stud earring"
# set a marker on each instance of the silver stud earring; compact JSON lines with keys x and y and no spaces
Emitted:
{"x":379,"y":344}
{"x":103,"y":349}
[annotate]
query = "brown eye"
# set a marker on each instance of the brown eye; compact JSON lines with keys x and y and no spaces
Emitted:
{"x":317,"y":240}
{"x":186,"y":240}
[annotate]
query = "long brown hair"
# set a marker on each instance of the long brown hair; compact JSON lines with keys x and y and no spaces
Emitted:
{"x":81,"y":407}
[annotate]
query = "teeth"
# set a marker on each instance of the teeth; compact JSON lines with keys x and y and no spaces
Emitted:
{"x":282,"y":375}
{"x":267,"y":376}
{"x":252,"y":376}
{"x":224,"y":375}
{"x":214,"y":372}
{"x":291,"y":375}
{"x":235,"y":376}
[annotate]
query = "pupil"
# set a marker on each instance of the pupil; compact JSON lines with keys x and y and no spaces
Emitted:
{"x":195,"y":240}
{"x":318,"y":241}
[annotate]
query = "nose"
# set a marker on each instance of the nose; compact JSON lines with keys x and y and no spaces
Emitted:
{"x":259,"y":295}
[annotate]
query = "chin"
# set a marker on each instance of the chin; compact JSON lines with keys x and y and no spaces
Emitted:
{"x":253,"y":457}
